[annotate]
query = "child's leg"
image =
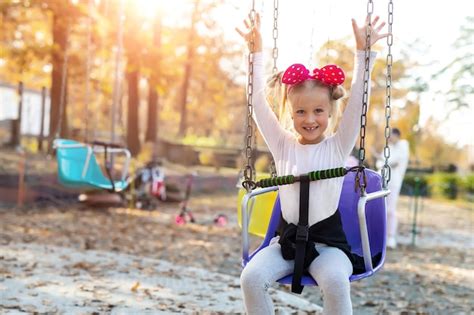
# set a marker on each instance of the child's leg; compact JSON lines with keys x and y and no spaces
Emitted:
{"x":332,"y":269}
{"x":392,"y":215}
{"x":392,"y":221}
{"x":260,"y":273}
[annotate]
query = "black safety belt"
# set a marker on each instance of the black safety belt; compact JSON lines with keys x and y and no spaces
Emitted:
{"x":302,"y":232}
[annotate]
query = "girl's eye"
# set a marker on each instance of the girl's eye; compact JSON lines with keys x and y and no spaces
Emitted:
{"x":300,"y":111}
{"x":319,"y":110}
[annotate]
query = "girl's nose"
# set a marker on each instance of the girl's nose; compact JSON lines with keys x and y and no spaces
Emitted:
{"x":311,"y":118}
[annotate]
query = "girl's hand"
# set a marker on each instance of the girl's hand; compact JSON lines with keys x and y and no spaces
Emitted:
{"x":360,"y":32}
{"x":252,"y":34}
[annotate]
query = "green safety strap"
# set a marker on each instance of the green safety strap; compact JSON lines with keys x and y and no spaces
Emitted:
{"x":290,"y":179}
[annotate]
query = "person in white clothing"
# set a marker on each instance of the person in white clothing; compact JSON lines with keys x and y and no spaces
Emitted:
{"x":398,"y":162}
{"x":312,"y":97}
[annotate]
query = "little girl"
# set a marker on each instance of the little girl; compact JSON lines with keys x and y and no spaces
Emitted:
{"x":312,"y":98}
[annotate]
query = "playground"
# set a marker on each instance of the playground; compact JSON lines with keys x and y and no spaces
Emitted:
{"x":154,"y":156}
{"x":65,"y":257}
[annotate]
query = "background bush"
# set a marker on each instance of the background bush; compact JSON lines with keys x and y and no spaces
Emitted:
{"x":411,"y":180}
{"x":444,"y":185}
{"x":440,"y":185}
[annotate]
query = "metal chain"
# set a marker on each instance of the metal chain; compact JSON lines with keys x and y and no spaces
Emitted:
{"x":365,"y":98}
{"x":275,"y":36}
{"x":248,"y":171}
{"x":386,"y":170}
{"x":88,"y":70}
{"x":63,"y":91}
{"x":275,"y":68}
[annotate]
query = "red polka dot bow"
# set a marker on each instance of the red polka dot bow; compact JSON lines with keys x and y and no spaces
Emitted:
{"x":330,"y":75}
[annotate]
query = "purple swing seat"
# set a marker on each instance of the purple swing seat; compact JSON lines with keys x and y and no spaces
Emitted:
{"x":375,"y":218}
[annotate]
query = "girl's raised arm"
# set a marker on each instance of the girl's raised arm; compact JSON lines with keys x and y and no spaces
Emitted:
{"x":348,"y":131}
{"x":266,"y":120}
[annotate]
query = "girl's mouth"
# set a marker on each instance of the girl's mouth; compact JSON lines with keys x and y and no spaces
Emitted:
{"x":310,"y":128}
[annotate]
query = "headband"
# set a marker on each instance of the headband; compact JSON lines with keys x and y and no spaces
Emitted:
{"x":330,"y":75}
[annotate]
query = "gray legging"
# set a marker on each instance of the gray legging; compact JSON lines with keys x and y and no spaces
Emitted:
{"x":331,"y":269}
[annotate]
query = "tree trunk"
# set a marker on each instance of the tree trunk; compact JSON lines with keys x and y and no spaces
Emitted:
{"x":133,"y":132}
{"x":153,"y":99}
{"x":152,"y":118}
{"x":60,"y":38}
{"x":41,"y":134}
{"x":183,"y":125}
{"x":187,"y":73}
{"x":64,"y":131}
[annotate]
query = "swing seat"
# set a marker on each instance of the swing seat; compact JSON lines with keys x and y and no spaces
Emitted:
{"x":258,"y":223}
{"x":363,"y":220}
{"x":78,"y":167}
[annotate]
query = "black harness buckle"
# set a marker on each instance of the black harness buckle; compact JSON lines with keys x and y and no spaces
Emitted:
{"x":302,"y":233}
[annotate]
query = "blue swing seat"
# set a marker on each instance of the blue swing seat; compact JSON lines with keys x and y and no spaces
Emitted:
{"x":363,"y":220}
{"x":78,"y":167}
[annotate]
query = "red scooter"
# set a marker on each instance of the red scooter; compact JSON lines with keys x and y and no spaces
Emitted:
{"x":186,"y":214}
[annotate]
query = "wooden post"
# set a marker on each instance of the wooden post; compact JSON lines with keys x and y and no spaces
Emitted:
{"x":20,"y":109}
{"x":41,"y":133}
{"x":16,"y":124}
{"x":21,"y":178}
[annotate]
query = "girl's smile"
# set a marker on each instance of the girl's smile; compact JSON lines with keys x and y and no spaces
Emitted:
{"x":310,"y":113}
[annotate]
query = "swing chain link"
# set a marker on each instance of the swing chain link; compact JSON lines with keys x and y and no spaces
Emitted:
{"x":248,"y":171}
{"x":63,"y":90}
{"x":370,"y":9}
{"x":386,"y":170}
{"x":275,"y":68}
{"x":275,"y":36}
{"x":365,"y":97}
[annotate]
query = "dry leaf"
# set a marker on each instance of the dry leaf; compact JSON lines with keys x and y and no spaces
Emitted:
{"x":135,"y":286}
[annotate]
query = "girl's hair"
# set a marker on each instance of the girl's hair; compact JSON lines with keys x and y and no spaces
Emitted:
{"x":276,"y":93}
{"x":279,"y":97}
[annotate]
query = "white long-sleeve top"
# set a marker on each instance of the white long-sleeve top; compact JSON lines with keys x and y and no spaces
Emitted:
{"x":294,"y":158}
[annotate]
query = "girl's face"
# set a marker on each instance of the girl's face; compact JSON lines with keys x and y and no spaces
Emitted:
{"x":310,"y":111}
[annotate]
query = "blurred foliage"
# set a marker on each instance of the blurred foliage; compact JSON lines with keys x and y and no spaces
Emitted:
{"x":468,"y":187}
{"x":441,"y":185}
{"x":415,"y":184}
{"x":262,"y":163}
{"x":207,"y":158}
{"x":195,"y":140}
{"x":433,"y":150}
{"x":461,"y":68}
{"x":445,"y":185}
{"x":468,"y":183}
{"x":216,"y":97}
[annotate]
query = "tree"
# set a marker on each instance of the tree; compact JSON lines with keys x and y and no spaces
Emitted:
{"x":132,"y":73}
{"x":432,"y":150}
{"x":64,"y":14}
{"x":59,"y":77}
{"x":153,"y":62}
{"x":188,"y":65}
{"x":460,"y":68}
{"x":26,"y":16}
{"x":22,"y":52}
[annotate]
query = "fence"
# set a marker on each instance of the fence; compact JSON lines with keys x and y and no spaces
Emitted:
{"x":23,"y":111}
